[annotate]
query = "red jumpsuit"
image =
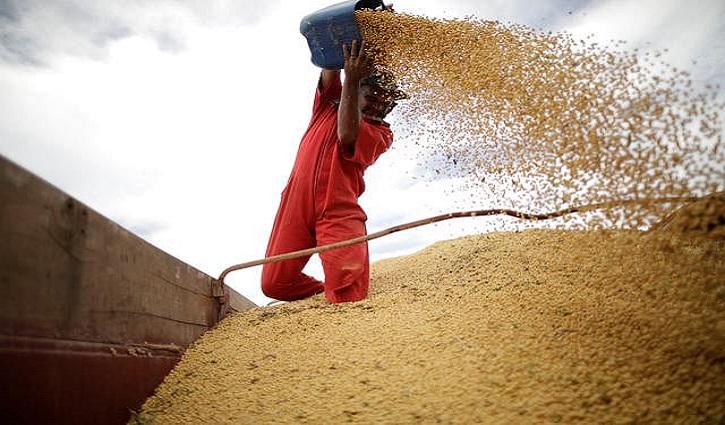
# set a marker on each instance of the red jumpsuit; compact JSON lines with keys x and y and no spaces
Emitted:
{"x":319,"y":206}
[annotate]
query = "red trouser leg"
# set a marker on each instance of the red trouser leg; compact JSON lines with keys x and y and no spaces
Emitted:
{"x":284,"y":280}
{"x":347,"y":270}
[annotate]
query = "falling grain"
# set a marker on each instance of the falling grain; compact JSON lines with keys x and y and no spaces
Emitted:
{"x":541,"y":121}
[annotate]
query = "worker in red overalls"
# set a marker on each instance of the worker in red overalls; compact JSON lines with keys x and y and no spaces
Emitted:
{"x":319,"y":205}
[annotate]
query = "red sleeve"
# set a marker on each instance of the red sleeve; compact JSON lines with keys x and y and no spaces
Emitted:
{"x":372,"y":140}
{"x":328,"y":94}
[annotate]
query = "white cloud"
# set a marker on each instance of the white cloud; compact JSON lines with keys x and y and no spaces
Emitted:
{"x":36,"y":30}
{"x":683,"y":31}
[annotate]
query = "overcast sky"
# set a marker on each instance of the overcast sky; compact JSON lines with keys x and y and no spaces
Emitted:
{"x":180,"y":119}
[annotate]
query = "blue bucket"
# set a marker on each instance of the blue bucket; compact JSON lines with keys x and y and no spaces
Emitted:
{"x":328,"y":29}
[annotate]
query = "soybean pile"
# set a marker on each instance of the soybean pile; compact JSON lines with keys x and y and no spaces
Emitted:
{"x":540,"y":121}
{"x":538,"y":326}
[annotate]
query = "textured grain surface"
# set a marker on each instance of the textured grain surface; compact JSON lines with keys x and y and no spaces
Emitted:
{"x":536,"y":326}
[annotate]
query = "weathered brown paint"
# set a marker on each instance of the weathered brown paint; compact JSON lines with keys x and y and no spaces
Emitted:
{"x":80,"y":298}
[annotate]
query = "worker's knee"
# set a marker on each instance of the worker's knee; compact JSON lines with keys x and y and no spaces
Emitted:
{"x":297,"y":288}
{"x":273,"y":289}
{"x":269,"y":289}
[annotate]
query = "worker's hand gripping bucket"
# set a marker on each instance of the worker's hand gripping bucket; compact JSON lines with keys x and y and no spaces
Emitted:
{"x":328,"y":29}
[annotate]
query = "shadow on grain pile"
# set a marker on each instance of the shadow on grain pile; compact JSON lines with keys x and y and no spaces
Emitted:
{"x":533,"y":326}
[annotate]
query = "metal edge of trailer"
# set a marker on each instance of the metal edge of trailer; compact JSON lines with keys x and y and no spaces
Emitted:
{"x":92,"y":317}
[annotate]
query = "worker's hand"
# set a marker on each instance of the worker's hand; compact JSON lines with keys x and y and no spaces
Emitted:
{"x":358,"y":64}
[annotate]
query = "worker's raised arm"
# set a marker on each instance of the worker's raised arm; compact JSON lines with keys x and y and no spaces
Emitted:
{"x":358,"y":65}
